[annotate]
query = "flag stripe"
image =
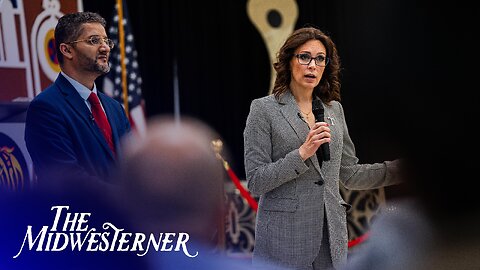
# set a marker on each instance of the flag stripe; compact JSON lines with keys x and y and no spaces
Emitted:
{"x":123,"y":82}
{"x":121,"y":39}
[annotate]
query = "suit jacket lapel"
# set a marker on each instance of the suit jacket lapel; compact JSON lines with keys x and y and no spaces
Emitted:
{"x":78,"y":104}
{"x":290,"y":111}
{"x":72,"y":97}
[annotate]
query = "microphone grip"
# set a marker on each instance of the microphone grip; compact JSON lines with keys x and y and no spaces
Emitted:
{"x":318,"y":110}
{"x":324,"y":149}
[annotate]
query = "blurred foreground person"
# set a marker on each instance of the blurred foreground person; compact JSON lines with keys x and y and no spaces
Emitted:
{"x":173,"y":183}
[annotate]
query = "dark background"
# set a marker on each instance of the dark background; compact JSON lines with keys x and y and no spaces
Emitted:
{"x":386,"y":48}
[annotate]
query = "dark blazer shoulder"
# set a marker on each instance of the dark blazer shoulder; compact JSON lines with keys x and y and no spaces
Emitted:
{"x":56,"y":91}
{"x":49,"y":93}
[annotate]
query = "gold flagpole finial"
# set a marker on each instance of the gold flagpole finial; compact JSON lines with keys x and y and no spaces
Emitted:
{"x":217,"y":146}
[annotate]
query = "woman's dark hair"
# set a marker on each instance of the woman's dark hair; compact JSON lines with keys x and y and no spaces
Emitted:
{"x":329,"y":87}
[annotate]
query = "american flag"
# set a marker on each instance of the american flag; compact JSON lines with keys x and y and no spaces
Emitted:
{"x":113,"y":85}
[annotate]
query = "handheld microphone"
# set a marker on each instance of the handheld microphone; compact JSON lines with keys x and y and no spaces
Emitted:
{"x":317,"y":108}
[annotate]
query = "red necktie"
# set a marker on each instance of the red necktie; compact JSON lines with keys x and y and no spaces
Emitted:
{"x":101,"y":120}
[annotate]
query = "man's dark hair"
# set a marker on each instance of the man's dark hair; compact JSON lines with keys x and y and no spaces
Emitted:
{"x":70,"y":27}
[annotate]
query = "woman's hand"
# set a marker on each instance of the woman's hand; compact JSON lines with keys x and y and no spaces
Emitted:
{"x":318,"y":135}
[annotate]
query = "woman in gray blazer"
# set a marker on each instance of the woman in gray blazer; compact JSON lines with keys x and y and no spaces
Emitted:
{"x":301,"y":220}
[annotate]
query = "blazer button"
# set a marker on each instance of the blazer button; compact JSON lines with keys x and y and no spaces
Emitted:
{"x":297,"y":172}
{"x":319,"y":182}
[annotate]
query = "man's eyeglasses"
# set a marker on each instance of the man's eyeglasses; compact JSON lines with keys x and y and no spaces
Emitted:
{"x":95,"y":41}
{"x":306,"y":59}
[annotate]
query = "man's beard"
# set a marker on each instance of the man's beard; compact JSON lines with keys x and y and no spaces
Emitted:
{"x":92,"y":65}
{"x":102,"y":69}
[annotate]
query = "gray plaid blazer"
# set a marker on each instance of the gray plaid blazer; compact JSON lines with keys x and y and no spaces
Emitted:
{"x":291,"y":208}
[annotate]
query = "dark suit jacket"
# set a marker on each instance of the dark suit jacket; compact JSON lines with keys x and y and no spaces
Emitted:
{"x":63,"y":139}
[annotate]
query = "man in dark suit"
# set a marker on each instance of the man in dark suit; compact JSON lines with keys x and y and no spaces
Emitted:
{"x":72,"y":130}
